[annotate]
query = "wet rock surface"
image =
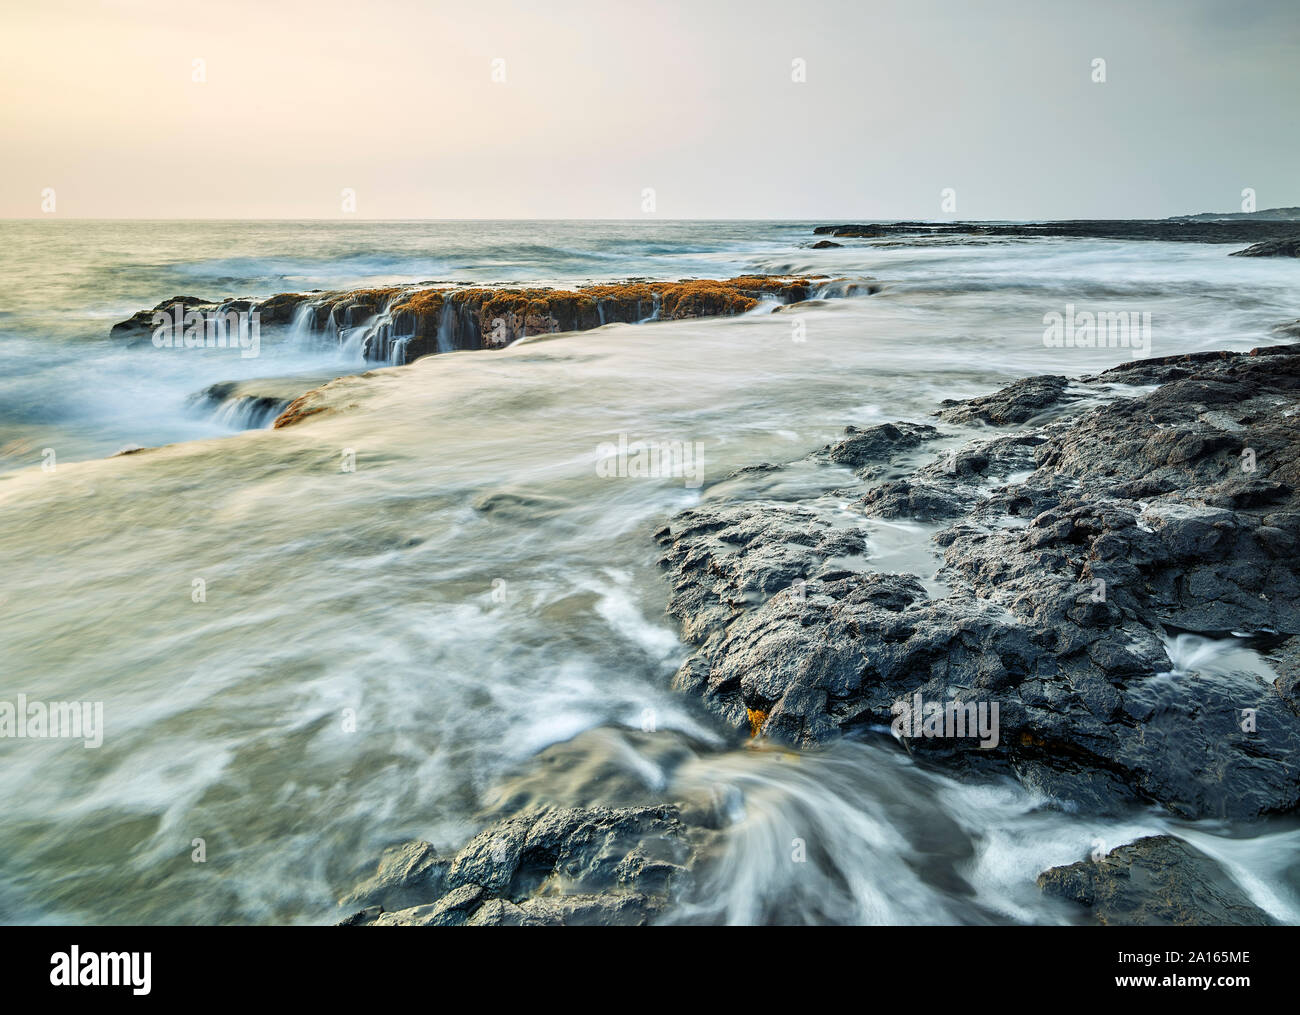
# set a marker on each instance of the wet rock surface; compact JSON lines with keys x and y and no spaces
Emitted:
{"x":1015,"y":403}
{"x":1157,"y":881}
{"x":253,"y":403}
{"x":574,"y":866}
{"x":868,"y":451}
{"x":1090,"y":542}
{"x":140,"y":327}
{"x":397,"y":324}
{"x":1077,"y":552}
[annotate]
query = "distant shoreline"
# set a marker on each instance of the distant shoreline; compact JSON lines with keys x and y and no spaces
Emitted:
{"x":1199,"y":230}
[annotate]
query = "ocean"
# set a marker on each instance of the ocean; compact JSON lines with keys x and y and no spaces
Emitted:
{"x":429,"y":606}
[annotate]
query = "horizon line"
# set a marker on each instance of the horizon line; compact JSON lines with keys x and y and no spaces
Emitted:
{"x":827,"y":219}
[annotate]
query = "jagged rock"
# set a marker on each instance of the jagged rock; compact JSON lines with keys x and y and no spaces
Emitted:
{"x":727,"y":560}
{"x":1077,"y":549}
{"x":362,"y":917}
{"x":407,"y":875}
{"x":960,"y":481}
{"x":449,"y":911}
{"x":631,"y":909}
{"x":597,"y":865}
{"x":868,"y":450}
{"x":1158,"y":881}
{"x":1016,"y":403}
{"x":908,"y":498}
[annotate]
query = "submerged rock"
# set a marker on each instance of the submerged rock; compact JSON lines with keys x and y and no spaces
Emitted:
{"x":253,"y":403}
{"x":1076,"y":554}
{"x":1158,"y":881}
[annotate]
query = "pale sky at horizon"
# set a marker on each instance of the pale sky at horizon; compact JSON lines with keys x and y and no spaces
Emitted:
{"x":600,"y":101}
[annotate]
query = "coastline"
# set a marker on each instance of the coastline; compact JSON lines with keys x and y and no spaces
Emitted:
{"x":449,"y":500}
{"x":1098,"y":530}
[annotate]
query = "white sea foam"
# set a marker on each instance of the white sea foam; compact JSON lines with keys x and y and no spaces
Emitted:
{"x":351,"y":681}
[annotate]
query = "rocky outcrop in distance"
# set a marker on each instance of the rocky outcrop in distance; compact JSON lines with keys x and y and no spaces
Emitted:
{"x":1271,"y":248}
{"x":398,"y":324}
{"x":1262,"y":215}
{"x":1243,"y":230}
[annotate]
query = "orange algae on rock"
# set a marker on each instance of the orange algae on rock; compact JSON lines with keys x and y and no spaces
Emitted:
{"x":296,"y":412}
{"x":397,"y":324}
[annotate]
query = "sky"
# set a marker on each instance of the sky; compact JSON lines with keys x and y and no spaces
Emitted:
{"x":818,"y":109}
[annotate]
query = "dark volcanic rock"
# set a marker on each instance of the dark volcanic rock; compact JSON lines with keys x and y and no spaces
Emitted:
{"x":1017,"y":403}
{"x":959,"y":481}
{"x":1271,"y":248}
{"x":825,"y":245}
{"x":602,"y":866}
{"x":867,"y":450}
{"x":1158,"y":881}
{"x":140,"y":324}
{"x":866,"y":232}
{"x":1077,"y":551}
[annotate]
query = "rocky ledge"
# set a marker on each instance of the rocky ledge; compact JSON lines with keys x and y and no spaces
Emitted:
{"x":546,"y":867}
{"x":1085,"y":527}
{"x":398,"y":324}
{"x":1085,"y":548}
{"x":1158,"y":881}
